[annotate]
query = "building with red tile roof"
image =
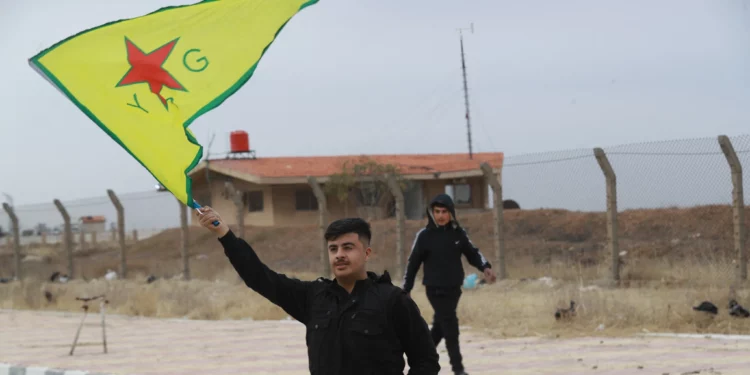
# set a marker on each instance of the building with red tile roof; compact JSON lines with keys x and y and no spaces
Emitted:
{"x":276,"y":190}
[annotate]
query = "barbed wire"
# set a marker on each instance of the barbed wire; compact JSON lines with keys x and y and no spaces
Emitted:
{"x":146,"y":210}
{"x":568,"y":179}
{"x":557,"y":160}
{"x":674,"y":153}
{"x":677,"y":173}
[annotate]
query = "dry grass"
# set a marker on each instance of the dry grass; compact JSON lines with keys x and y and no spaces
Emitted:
{"x":654,"y":295}
{"x":675,"y":259}
{"x":510,"y":308}
{"x":166,"y":298}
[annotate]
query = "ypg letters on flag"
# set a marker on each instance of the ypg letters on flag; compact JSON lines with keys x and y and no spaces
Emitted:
{"x":146,"y":79}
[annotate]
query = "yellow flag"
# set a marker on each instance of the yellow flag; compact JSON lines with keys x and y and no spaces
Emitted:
{"x":145,"y":80}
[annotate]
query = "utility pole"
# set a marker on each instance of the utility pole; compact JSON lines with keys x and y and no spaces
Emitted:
{"x":466,"y":88}
{"x":208,"y":172}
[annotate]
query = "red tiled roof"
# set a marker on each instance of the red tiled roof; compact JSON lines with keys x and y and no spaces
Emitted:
{"x":320,"y":166}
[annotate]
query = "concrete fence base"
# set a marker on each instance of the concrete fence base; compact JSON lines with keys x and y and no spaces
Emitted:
{"x":8,"y":369}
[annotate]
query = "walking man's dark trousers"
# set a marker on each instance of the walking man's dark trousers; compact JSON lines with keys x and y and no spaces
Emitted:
{"x":444,"y":301}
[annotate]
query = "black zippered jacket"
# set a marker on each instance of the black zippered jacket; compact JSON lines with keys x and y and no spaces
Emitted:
{"x":365,"y":333}
{"x":440,"y":249}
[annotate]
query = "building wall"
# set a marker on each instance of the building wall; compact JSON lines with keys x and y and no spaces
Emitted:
{"x":433,"y":188}
{"x":414,"y":201}
{"x":339,"y":210}
{"x":226,"y":207}
{"x":479,"y":191}
{"x":284,"y":203}
{"x":280,"y":202}
{"x":98,"y":227}
{"x":286,"y":213}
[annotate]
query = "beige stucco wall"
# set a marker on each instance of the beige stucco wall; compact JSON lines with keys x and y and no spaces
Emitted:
{"x":433,"y":188}
{"x":280,"y":205}
{"x":339,"y":210}
{"x":479,"y":191}
{"x":226,"y":208}
{"x":284,"y":203}
{"x":285,"y":212}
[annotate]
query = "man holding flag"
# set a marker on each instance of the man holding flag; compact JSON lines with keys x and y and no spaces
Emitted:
{"x":359,"y":323}
{"x":144,"y":80}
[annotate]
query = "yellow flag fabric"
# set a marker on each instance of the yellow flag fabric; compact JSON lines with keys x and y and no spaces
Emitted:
{"x":145,"y":80}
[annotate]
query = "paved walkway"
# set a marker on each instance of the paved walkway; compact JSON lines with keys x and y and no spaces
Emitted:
{"x":174,"y":346}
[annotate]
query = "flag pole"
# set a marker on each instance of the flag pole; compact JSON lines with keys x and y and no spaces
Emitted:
{"x":198,"y":209}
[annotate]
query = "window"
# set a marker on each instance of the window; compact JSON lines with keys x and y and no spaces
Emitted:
{"x":461,"y":193}
{"x":254,"y":201}
{"x":305,"y":200}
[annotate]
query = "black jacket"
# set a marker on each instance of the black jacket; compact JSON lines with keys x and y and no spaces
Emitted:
{"x":440,"y":249}
{"x":367,"y":332}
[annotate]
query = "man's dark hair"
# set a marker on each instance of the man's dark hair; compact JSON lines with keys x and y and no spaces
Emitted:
{"x":351,"y":225}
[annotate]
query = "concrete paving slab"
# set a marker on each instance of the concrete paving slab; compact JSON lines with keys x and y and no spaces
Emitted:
{"x":38,"y":342}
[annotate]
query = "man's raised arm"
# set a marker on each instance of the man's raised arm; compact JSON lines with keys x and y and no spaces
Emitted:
{"x":289,"y":294}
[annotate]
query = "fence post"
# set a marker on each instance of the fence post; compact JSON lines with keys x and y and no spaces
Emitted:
{"x":16,"y":240}
{"x":120,"y":231}
{"x":738,"y":204}
{"x":499,"y":238}
{"x":82,"y":239}
{"x":322,"y":222}
{"x":67,"y":236}
{"x":239,"y":204}
{"x":398,"y":194}
{"x":184,"y":238}
{"x":612,"y":235}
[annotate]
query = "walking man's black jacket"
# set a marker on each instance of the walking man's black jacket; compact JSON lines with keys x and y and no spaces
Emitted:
{"x":440,"y":249}
{"x":365,"y":333}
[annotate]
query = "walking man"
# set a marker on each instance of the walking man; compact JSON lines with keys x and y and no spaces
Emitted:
{"x":358,"y":323}
{"x":439,"y":246}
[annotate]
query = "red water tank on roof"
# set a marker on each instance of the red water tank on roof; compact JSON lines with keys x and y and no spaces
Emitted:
{"x":239,"y":141}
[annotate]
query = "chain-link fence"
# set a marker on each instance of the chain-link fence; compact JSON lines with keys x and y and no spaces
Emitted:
{"x":675,"y":218}
{"x":146,"y":213}
{"x":562,"y":195}
{"x":674,"y":200}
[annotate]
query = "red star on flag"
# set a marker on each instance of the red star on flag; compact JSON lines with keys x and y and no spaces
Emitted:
{"x":148,"y":68}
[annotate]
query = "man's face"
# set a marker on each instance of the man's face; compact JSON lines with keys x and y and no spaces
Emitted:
{"x":441,"y":214}
{"x":347,"y":256}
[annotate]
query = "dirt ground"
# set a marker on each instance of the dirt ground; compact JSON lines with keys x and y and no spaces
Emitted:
{"x":149,"y":346}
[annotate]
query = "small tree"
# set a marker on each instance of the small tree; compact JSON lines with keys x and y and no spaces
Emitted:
{"x":364,"y":182}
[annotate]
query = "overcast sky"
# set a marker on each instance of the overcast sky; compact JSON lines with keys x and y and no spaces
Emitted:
{"x":352,"y":76}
